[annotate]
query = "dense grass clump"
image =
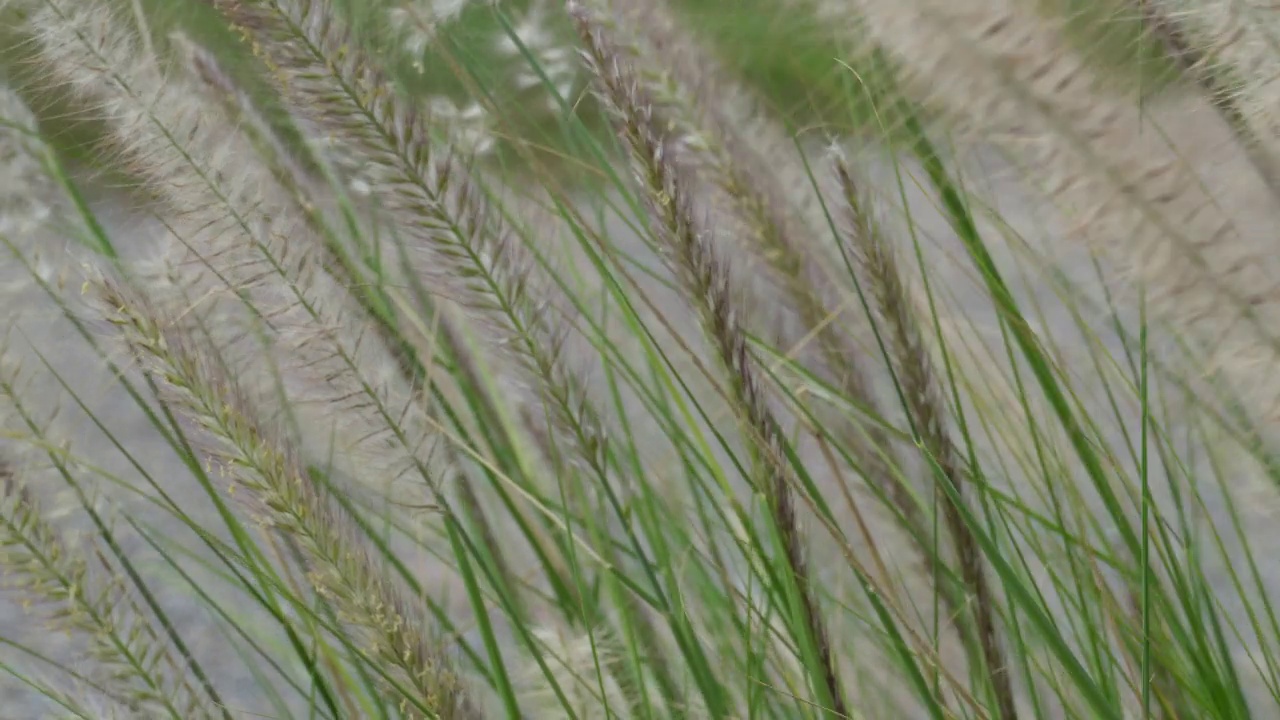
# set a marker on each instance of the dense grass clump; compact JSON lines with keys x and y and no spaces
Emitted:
{"x":639,"y":359}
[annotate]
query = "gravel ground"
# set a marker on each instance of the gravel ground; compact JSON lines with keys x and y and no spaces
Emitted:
{"x":1197,"y":130}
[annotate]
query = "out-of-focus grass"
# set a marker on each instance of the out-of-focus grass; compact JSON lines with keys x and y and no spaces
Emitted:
{"x":785,"y":54}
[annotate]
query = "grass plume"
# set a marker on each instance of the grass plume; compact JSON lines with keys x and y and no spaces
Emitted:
{"x":706,"y":282}
{"x":414,"y":368}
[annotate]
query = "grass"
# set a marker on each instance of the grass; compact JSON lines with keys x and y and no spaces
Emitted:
{"x":538,"y":362}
